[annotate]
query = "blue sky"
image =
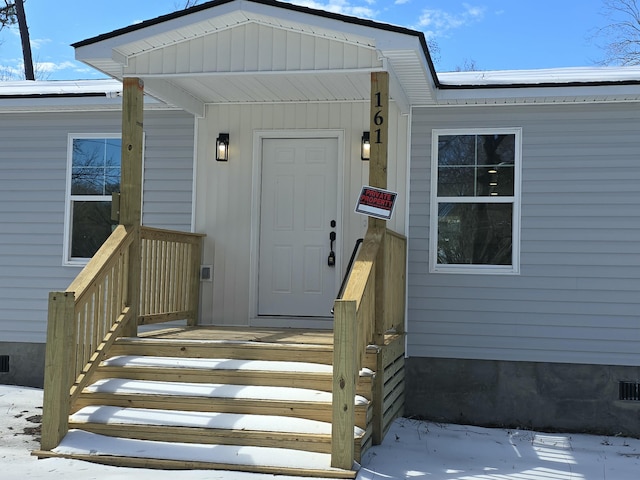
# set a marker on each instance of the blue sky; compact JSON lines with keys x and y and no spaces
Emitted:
{"x":492,"y":34}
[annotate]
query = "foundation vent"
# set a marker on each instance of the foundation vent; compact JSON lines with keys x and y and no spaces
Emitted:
{"x":630,"y":391}
{"x":4,"y":363}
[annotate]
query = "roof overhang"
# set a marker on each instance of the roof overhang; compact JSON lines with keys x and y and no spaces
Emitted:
{"x":558,"y":85}
{"x":65,"y":95}
{"x":248,"y":51}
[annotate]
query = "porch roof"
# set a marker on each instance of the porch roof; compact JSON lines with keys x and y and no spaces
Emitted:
{"x":266,"y":51}
{"x":235,"y":51}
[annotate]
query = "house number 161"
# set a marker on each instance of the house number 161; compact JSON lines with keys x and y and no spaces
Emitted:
{"x":378,"y":117}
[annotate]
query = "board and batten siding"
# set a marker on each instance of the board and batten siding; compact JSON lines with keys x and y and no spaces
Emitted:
{"x":33,"y":169}
{"x":224,"y":189}
{"x":252,"y":47}
{"x":577,"y":297}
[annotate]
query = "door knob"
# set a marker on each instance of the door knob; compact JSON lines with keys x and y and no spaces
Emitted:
{"x":331,"y":261}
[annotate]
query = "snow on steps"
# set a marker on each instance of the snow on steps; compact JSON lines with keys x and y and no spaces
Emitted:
{"x":208,"y":427}
{"x":315,"y":376}
{"x":170,"y":455}
{"x":226,"y":398}
{"x":238,"y":413}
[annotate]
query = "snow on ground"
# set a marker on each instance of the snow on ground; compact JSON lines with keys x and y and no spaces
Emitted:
{"x":412,"y":449}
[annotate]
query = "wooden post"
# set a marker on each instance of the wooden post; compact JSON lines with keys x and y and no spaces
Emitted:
{"x":344,"y":384}
{"x":58,"y":369}
{"x":131,"y":187}
{"x":379,"y":137}
{"x":194,"y":283}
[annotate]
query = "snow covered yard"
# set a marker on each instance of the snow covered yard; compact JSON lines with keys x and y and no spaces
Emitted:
{"x":412,"y":449}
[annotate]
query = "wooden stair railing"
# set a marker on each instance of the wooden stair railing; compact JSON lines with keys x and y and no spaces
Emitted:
{"x":170,"y":280}
{"x":85,"y":319}
{"x":373,"y":303}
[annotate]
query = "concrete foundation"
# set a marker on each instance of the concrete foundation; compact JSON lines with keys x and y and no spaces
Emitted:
{"x":26,"y":364}
{"x":538,"y":396}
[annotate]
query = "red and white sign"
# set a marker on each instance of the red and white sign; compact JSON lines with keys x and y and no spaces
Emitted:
{"x":376,"y":202}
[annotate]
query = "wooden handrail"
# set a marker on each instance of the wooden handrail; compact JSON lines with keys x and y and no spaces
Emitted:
{"x":368,"y":308}
{"x":170,"y":278}
{"x":87,"y":318}
{"x":103,"y":259}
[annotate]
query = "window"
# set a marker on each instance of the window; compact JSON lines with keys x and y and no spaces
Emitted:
{"x":475,"y":207}
{"x":93,"y":175}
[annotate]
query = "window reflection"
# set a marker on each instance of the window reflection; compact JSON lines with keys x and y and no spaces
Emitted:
{"x":476,"y":165}
{"x":95,"y":175}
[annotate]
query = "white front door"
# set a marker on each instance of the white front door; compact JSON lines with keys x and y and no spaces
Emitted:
{"x":298,"y":212}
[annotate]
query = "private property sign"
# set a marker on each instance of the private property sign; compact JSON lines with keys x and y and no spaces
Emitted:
{"x":376,"y":202}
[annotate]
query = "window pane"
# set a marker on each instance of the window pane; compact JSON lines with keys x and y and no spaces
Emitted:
{"x":456,"y":150}
{"x":476,"y":165}
{"x":475,"y":233}
{"x":91,"y":226}
{"x":496,"y":157}
{"x":95,"y":166}
{"x":456,"y":181}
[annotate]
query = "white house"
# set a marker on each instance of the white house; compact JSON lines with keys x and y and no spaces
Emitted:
{"x":518,"y":191}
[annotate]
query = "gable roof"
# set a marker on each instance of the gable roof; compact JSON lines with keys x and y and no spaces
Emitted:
{"x":232,"y":50}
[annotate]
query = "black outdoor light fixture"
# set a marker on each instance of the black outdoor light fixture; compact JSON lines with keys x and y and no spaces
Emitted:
{"x":365,"y":147}
{"x":222,"y":147}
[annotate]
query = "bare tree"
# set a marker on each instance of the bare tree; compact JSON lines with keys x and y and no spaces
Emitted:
{"x":29,"y":73}
{"x":186,"y":4}
{"x":469,"y":65}
{"x":621,"y":35}
{"x":12,"y":12}
{"x":7,"y":14}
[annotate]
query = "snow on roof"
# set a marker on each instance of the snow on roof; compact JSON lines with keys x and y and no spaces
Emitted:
{"x":66,"y":95}
{"x":547,"y":76}
{"x":26,"y":88}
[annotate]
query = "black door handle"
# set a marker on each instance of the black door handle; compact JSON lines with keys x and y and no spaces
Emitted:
{"x":331,"y":261}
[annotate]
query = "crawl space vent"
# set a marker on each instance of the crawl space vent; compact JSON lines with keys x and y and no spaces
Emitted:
{"x":4,"y":363}
{"x":630,"y":391}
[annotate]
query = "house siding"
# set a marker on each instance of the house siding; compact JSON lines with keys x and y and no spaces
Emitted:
{"x":576,"y":299}
{"x":224,"y":189}
{"x":33,"y":169}
{"x":254,"y":48}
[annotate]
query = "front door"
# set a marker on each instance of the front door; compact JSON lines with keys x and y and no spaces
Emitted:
{"x":298,"y":213}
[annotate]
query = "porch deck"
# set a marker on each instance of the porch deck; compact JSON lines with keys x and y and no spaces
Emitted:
{"x":299,"y":336}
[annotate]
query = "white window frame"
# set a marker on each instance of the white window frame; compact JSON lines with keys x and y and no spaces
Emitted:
{"x":512,"y":269}
{"x":67,"y":259}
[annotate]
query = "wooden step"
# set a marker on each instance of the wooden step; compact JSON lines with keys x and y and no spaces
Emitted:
{"x":210,"y":428}
{"x":286,"y":352}
{"x":97,"y":448}
{"x":227,"y":371}
{"x":205,"y":397}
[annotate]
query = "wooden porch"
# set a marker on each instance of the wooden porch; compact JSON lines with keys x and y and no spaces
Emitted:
{"x":208,"y":391}
{"x":210,"y":397}
{"x":213,"y":390}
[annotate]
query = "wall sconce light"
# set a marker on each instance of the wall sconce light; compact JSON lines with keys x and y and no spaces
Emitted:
{"x":365,"y":147}
{"x":222,"y":147}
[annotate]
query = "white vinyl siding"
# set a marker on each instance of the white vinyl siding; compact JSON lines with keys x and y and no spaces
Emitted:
{"x":224,"y":189}
{"x":576,"y":298}
{"x":33,"y":169}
